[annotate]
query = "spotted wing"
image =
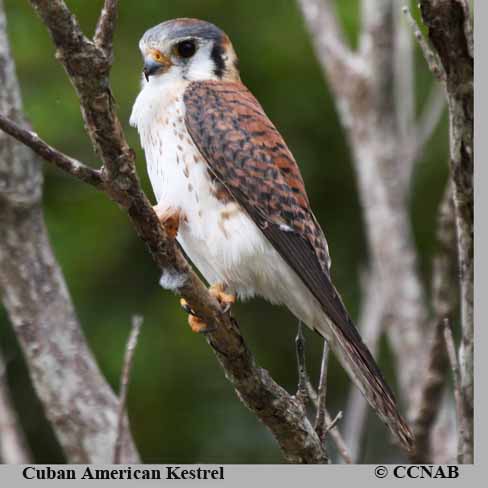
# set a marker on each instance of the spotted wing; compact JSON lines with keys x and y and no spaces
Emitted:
{"x":248,"y":156}
{"x":246,"y":153}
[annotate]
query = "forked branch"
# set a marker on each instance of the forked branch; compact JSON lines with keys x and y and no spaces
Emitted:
{"x":88,"y":63}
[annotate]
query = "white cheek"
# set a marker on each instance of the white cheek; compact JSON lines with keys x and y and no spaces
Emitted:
{"x":201,"y":65}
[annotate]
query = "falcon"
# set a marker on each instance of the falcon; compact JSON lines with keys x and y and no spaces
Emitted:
{"x":231,"y":193}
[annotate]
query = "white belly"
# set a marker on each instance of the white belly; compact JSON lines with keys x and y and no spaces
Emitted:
{"x":219,"y":238}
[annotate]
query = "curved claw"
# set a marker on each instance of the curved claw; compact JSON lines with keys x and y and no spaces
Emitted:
{"x":225,"y":299}
{"x":195,"y":322}
{"x":186,"y":308}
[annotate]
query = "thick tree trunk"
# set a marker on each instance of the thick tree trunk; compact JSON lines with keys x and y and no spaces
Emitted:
{"x":76,"y":398}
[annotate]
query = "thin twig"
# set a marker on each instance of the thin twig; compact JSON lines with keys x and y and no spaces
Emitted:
{"x":301,"y":394}
{"x":458,"y":393}
{"x":333,"y":431}
{"x":430,"y":55}
{"x":332,"y":424}
{"x":336,"y":436}
{"x":69,"y":165}
{"x":105,"y":30}
{"x":320,"y":420}
{"x":137,"y":321}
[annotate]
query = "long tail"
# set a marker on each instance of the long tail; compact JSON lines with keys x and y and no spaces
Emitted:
{"x":356,"y":359}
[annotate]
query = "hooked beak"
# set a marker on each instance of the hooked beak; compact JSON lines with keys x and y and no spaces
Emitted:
{"x":151,"y":67}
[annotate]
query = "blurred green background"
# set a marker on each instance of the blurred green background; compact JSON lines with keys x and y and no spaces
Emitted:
{"x":181,"y":407}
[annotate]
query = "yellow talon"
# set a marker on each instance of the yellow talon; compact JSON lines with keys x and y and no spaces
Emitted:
{"x":218,"y":292}
{"x":185,"y":306}
{"x":226,"y":299}
{"x":197,"y":325}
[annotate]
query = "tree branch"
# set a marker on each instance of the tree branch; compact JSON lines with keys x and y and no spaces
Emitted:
{"x":104,"y":33}
{"x":336,"y":58}
{"x":445,"y":303}
{"x":430,"y":55}
{"x":370,"y":110}
{"x":301,"y":394}
{"x":124,"y":383}
{"x":458,"y":391}
{"x":331,"y":428}
{"x":88,"y":69}
{"x":78,"y":402}
{"x":321,"y":425}
{"x":69,"y":165}
{"x":13,"y":445}
{"x":450,"y":34}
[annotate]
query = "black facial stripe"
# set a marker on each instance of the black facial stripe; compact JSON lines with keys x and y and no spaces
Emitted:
{"x":217,"y":56}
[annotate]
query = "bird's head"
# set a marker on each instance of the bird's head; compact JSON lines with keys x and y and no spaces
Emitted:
{"x":188,"y":49}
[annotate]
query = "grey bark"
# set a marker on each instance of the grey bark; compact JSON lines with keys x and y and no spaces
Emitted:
{"x":13,"y":444}
{"x":375,"y":105}
{"x":88,"y":64}
{"x":450,"y":33}
{"x":77,"y":400}
{"x":374,"y":90}
{"x":445,"y":304}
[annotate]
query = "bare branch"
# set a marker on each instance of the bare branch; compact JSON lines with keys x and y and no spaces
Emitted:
{"x":104,"y":33}
{"x":280,"y":412}
{"x":450,"y":34}
{"x":445,"y":302}
{"x":330,"y":46}
{"x":77,"y":400}
{"x":333,"y":423}
{"x":320,"y":419}
{"x":458,"y":392}
{"x":336,"y":436}
{"x":301,"y":394}
{"x":69,"y":165}
{"x":63,"y":26}
{"x":13,"y":445}
{"x":430,"y":55}
{"x":88,"y":68}
{"x":124,"y":383}
{"x":333,"y":431}
{"x":368,"y":108}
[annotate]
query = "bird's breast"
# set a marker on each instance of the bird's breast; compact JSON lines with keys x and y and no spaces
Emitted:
{"x":214,"y":231}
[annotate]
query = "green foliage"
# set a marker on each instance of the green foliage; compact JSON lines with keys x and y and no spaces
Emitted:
{"x":180,"y":405}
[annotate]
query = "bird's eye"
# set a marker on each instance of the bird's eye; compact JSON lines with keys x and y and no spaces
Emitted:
{"x":186,"y":49}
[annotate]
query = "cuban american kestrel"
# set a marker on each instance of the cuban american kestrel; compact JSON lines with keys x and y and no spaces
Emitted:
{"x":230,"y":191}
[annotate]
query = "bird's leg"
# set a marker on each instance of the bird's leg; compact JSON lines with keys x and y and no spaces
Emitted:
{"x":169,"y":218}
{"x":218,"y":291}
{"x":302,"y":391}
